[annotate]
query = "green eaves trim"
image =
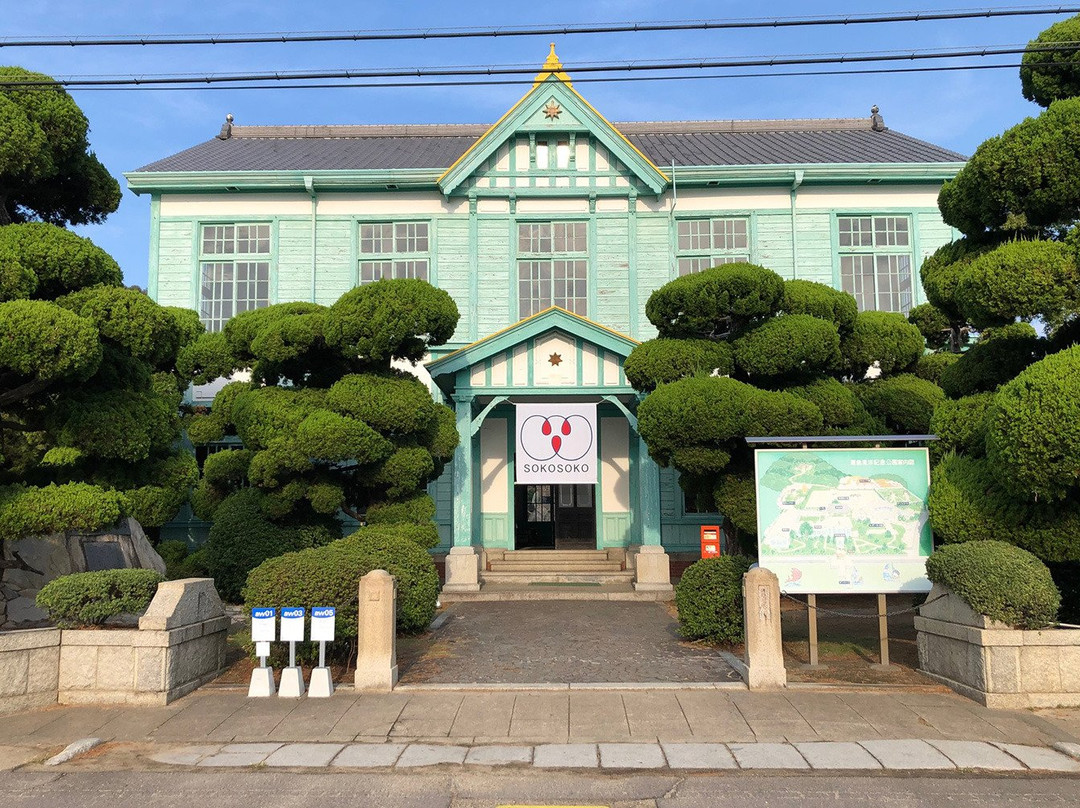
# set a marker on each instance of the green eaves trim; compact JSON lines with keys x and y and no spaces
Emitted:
{"x":141,"y":182}
{"x":822,"y":173}
{"x":574,"y":104}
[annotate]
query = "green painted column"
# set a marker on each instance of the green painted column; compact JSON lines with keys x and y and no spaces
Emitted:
{"x":648,"y":495}
{"x":463,"y":476}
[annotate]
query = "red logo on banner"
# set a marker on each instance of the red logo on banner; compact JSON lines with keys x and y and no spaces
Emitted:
{"x":547,"y":437}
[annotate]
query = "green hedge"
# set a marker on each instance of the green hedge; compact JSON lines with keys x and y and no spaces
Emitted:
{"x":329,"y":576}
{"x":91,"y":598}
{"x":709,"y":599}
{"x":998,"y":580}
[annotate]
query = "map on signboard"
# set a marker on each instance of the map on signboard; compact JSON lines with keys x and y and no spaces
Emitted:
{"x":844,"y":520}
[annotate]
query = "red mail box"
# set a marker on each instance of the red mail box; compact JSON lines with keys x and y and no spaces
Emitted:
{"x":710,"y":541}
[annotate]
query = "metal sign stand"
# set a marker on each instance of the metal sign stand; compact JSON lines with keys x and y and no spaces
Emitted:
{"x":292,"y":631}
{"x":322,"y":629}
{"x":263,"y":630}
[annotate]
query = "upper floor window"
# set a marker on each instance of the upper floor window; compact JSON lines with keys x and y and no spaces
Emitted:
{"x":394,"y":250}
{"x":234,"y":263}
{"x":553,"y":267}
{"x":705,"y":243}
{"x":875,"y":261}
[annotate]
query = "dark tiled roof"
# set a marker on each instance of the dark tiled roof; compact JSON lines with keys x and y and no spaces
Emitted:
{"x":687,"y":143}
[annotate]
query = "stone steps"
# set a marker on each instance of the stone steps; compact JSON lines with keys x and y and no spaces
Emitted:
{"x":555,"y":566}
{"x":526,"y":577}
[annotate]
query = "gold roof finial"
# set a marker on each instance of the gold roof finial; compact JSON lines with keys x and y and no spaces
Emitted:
{"x":552,"y":67}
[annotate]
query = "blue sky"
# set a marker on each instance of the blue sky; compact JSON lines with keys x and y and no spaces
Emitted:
{"x":131,"y":128}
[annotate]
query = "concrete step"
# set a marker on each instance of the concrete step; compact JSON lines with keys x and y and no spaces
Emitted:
{"x":555,"y":566}
{"x":493,"y":592}
{"x":556,"y":555}
{"x":525,"y":577}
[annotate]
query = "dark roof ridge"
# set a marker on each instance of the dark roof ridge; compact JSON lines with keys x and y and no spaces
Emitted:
{"x":475,"y":130}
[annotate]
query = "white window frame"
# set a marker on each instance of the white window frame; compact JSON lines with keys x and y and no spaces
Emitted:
{"x":552,"y":266}
{"x":235,"y":261}
{"x":875,"y":260}
{"x":393,"y":249}
{"x":702,"y":242}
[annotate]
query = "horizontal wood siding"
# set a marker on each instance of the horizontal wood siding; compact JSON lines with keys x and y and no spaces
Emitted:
{"x":452,"y":260}
{"x":293,"y":261}
{"x":814,"y":234}
{"x":612,"y":272}
{"x":493,"y":265}
{"x":653,"y":265}
{"x":772,"y":243}
{"x":176,"y":264}
{"x":335,"y":273}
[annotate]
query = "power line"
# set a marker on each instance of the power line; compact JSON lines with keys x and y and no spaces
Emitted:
{"x":510,"y":70}
{"x":592,"y":80}
{"x":559,"y":30}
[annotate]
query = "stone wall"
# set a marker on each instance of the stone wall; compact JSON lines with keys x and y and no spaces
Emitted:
{"x":29,"y":668}
{"x":179,"y":645}
{"x":993,"y":664}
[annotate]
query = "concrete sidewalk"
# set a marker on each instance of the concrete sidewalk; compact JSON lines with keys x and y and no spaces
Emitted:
{"x":714,"y":721}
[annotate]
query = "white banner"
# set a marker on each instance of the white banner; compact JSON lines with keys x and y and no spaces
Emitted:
{"x":556,"y":443}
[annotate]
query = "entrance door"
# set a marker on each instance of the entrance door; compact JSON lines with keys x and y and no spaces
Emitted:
{"x":547,"y":517}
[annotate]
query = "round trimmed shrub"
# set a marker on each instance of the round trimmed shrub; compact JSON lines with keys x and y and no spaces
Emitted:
{"x":997,"y":357}
{"x":91,"y":598}
{"x":715,"y":302}
{"x":960,"y":425}
{"x":1047,"y":75}
{"x":930,"y":366}
{"x":1033,"y":436}
{"x":885,"y":338}
{"x":837,"y":403}
{"x":241,"y":538}
{"x":999,"y":581}
{"x":659,"y":361}
{"x":905,"y":402}
{"x":329,"y":576}
{"x":788,"y":344}
{"x":709,"y":599}
{"x":821,"y":301}
{"x":933,"y":324}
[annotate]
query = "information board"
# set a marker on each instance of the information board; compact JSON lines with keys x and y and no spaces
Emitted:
{"x":322,"y":623}
{"x":263,"y":624}
{"x":292,"y":624}
{"x":844,"y":520}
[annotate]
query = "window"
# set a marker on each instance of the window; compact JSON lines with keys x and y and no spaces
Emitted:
{"x":234,"y":261}
{"x":553,"y":267}
{"x":875,"y":261}
{"x":705,"y":243}
{"x":393,"y":250}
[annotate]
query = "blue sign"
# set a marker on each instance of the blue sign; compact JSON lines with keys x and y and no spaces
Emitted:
{"x":263,"y":624}
{"x":292,"y":624}
{"x":322,"y":623}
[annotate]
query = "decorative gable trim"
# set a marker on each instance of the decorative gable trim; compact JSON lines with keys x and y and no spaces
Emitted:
{"x":536,"y":112}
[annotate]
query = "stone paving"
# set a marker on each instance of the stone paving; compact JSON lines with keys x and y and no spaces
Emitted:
{"x":898,"y":755}
{"x":559,"y":641}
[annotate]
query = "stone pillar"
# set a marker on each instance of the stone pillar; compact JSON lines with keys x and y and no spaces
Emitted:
{"x":462,"y":570}
{"x":652,"y":569}
{"x":376,"y":662}
{"x":761,"y":615}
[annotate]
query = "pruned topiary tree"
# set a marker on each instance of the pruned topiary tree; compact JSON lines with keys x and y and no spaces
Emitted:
{"x":327,"y":424}
{"x":742,"y":352}
{"x":89,"y":391}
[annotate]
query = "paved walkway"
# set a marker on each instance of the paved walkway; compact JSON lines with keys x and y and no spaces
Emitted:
{"x":559,"y":641}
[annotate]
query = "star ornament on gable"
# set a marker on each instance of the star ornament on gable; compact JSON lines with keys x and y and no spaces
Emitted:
{"x":552,"y":111}
{"x":555,"y":360}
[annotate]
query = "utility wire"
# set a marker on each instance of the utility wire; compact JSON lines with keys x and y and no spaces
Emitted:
{"x":588,"y":80}
{"x":504,"y":70}
{"x":538,"y":30}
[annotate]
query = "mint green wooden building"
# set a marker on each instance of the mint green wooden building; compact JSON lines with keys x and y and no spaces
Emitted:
{"x":550,"y":228}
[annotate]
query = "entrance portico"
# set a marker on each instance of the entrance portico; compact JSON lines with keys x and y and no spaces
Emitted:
{"x":560,"y":358}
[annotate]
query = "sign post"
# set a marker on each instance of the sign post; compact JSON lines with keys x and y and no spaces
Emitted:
{"x":263,"y":632}
{"x":322,"y":631}
{"x":292,"y":632}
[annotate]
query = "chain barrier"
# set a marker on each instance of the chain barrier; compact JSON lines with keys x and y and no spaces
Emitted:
{"x":871,"y":616}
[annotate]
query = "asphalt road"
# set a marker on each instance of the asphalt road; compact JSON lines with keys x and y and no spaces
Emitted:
{"x":487,"y":789}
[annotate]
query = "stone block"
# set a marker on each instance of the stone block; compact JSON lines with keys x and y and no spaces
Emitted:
{"x":376,"y":664}
{"x":652,"y":569}
{"x":1069,"y":667}
{"x":698,"y":756}
{"x":422,"y":754}
{"x":78,"y":667}
{"x":907,"y":755}
{"x":943,"y":604}
{"x":499,"y":755}
{"x":306,"y":755}
{"x":14,"y":666}
{"x":566,"y":756}
{"x":462,"y":570}
{"x":115,"y":668}
{"x":631,"y":756}
{"x":1003,"y":669}
{"x":369,"y":755}
{"x":761,"y":614}
{"x":29,"y":638}
{"x":182,"y":603}
{"x":1041,"y":758}
{"x":768,"y":755}
{"x":43,"y":670}
{"x":976,"y":755}
{"x":1039,"y":669}
{"x":837,"y":755}
{"x":150,"y":670}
